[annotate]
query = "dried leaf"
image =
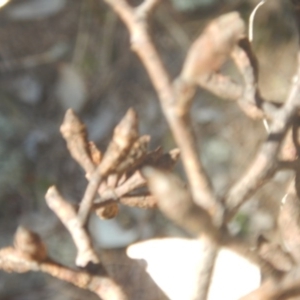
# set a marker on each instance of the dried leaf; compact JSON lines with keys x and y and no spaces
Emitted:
{"x":75,"y":134}
{"x":125,"y":134}
{"x":136,"y":154}
{"x":96,"y":154}
{"x":211,"y":50}
{"x":157,"y":158}
{"x":168,"y":160}
{"x":30,"y":244}
{"x":135,"y":181}
{"x":108,"y":211}
{"x":146,"y":201}
{"x":153,"y":156}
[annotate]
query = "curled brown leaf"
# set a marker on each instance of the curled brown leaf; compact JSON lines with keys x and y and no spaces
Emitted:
{"x":29,"y":244}
{"x":211,"y":50}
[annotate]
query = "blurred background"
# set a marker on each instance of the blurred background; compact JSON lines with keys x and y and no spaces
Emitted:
{"x":76,"y":53}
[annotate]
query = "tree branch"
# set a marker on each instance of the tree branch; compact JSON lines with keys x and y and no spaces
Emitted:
{"x":68,"y":216}
{"x":13,"y":261}
{"x":171,"y":97}
{"x":265,"y":164}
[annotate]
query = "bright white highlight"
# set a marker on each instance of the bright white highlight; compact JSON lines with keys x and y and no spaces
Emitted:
{"x":172,"y":263}
{"x":251,"y":19}
{"x":266,"y":125}
{"x":3,"y":2}
{"x":283,"y":200}
{"x":250,"y":36}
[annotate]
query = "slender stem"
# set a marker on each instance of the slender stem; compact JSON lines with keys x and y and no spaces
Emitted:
{"x":178,"y":120}
{"x":89,"y":196}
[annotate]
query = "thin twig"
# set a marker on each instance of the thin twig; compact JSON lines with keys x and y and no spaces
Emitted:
{"x":265,"y":164}
{"x":221,"y":86}
{"x":67,"y":214}
{"x":288,"y":221}
{"x":140,"y":201}
{"x":205,"y":270}
{"x":176,"y":203}
{"x":179,"y":121}
{"x":103,"y":286}
{"x":125,"y":134}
